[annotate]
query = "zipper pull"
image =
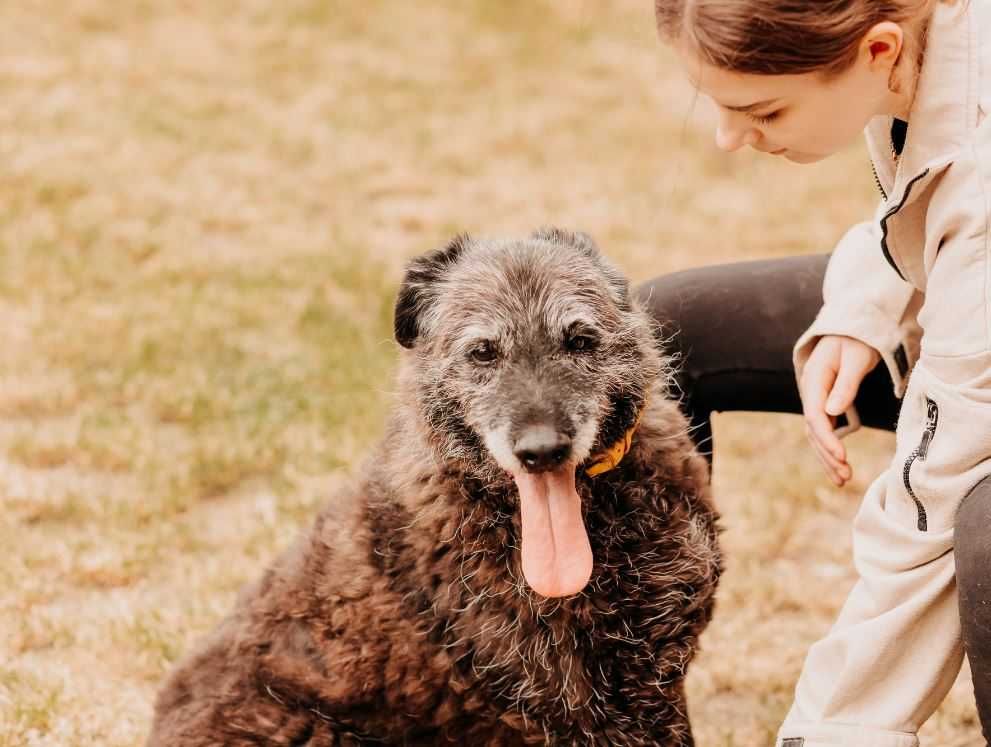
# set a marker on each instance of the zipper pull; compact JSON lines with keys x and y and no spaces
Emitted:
{"x":932,"y":418}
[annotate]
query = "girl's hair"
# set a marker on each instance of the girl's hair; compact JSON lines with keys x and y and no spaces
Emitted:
{"x":779,"y":37}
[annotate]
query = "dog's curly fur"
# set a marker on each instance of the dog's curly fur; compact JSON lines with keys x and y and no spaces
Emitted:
{"x":402,"y":617}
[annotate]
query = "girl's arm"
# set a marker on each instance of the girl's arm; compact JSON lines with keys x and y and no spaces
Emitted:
{"x":864,"y":298}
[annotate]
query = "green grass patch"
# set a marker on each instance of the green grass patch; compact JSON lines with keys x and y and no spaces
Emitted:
{"x":27,"y":705}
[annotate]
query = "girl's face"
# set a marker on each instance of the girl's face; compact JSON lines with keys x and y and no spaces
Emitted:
{"x":803,"y":118}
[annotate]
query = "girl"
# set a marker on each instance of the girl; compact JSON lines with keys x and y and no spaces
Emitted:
{"x":910,"y":288}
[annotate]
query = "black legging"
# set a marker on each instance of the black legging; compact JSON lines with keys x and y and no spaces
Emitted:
{"x":732,"y":328}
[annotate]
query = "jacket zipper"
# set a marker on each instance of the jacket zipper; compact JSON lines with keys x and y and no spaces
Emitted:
{"x":892,"y":211}
{"x":877,"y":181}
{"x":920,"y":451}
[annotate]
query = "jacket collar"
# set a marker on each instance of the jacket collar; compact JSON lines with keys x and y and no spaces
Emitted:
{"x":945,"y":107}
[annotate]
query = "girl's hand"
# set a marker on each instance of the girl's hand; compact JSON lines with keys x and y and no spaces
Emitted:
{"x":828,"y":386}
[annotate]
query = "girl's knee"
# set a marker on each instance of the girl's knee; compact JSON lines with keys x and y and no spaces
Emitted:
{"x":972,"y":539}
{"x":662,"y":297}
{"x":684,"y":305}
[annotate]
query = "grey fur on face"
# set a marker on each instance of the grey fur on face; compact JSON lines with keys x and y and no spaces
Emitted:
{"x":530,"y":345}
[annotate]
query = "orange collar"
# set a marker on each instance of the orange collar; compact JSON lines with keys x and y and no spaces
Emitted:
{"x":609,"y":458}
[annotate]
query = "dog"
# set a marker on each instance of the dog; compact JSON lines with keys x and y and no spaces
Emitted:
{"x":527,"y":557}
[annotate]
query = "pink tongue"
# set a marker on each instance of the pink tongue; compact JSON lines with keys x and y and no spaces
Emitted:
{"x":557,"y":558}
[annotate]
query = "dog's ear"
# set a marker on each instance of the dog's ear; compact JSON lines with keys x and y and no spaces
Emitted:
{"x":586,"y":244}
{"x":415,"y":291}
{"x":577,"y":239}
{"x":617,"y":281}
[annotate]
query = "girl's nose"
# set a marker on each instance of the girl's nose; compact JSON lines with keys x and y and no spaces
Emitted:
{"x":733,"y":135}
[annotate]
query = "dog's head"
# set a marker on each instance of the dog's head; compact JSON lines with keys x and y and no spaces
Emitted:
{"x":529,"y":356}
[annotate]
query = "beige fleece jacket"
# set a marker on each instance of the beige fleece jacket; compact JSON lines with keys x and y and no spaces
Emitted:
{"x":915,"y":283}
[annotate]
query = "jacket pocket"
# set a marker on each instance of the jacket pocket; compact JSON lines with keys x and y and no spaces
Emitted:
{"x":919,"y":453}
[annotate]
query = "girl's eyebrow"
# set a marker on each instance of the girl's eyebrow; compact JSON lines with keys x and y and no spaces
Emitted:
{"x":751,"y":107}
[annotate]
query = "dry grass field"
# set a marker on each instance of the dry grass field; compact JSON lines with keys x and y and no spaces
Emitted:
{"x":204,"y":211}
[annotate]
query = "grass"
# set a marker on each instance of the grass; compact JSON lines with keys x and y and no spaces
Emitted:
{"x":204,"y":213}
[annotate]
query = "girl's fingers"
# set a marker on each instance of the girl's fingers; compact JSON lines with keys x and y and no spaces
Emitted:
{"x":820,"y":427}
{"x":832,"y":376}
{"x":821,"y":430}
{"x":844,"y":389}
{"x":817,"y":382}
{"x":830,"y":473}
{"x":826,"y":466}
{"x":837,"y":469}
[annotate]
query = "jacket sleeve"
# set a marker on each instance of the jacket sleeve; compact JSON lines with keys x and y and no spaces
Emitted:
{"x":864,"y":298}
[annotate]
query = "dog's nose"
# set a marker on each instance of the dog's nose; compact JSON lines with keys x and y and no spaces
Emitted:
{"x":541,"y":448}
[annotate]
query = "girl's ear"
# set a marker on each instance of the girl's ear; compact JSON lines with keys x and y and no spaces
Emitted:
{"x":415,"y":293}
{"x":883,"y":45}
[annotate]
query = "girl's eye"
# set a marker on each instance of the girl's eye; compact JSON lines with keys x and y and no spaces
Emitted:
{"x":765,"y":119}
{"x":483,"y":352}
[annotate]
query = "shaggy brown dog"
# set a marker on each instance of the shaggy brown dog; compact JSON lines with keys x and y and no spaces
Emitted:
{"x":527,"y":558}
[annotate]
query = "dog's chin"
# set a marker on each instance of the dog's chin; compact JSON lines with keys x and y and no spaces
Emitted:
{"x":585,"y":438}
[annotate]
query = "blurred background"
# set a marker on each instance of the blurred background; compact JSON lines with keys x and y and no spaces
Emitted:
{"x":205,"y":208}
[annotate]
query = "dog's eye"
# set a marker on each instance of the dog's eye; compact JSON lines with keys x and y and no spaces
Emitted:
{"x":483,"y":352}
{"x":578,"y":342}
